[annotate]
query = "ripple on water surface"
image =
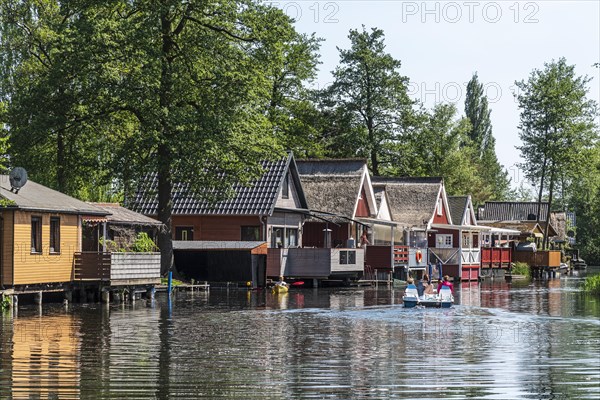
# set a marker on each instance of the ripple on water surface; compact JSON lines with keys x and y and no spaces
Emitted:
{"x":505,"y":342}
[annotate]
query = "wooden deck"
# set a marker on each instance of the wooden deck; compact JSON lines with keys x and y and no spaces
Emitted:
{"x":185,"y":287}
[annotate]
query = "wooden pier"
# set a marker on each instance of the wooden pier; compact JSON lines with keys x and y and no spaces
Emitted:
{"x":185,"y":287}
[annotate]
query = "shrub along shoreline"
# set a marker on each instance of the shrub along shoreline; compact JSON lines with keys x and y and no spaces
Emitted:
{"x":592,"y":284}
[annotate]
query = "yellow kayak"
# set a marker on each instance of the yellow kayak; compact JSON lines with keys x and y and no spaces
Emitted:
{"x":280,"y":289}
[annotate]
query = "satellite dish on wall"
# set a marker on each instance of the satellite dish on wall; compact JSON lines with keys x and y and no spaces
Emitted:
{"x":17,"y":178}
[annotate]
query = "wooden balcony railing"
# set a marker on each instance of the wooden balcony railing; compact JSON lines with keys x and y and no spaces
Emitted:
{"x":92,"y":266}
{"x":496,"y":257}
{"x":400,"y":254}
{"x":98,"y":266}
{"x":541,"y":258}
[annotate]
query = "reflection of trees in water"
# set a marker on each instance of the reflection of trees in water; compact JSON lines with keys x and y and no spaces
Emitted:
{"x":120,"y":350}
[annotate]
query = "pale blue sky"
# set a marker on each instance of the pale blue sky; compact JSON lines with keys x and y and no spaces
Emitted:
{"x":441,"y":43}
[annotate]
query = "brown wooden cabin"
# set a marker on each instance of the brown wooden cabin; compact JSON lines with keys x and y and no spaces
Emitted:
{"x":521,"y":219}
{"x":271,"y":210}
{"x":41,"y":230}
{"x":343,"y":209}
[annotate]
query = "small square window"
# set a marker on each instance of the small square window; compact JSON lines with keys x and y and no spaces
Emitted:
{"x":250,"y":233}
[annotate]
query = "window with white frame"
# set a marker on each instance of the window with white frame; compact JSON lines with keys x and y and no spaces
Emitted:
{"x":439,"y":206}
{"x":443,"y":241}
{"x":466,"y":240}
{"x":291,"y":237}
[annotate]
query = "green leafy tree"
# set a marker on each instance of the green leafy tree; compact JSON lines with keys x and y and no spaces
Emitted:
{"x":438,"y":145}
{"x":556,"y":127}
{"x":292,"y":110}
{"x":180,"y":88}
{"x":582,"y":196}
{"x":493,"y":175}
{"x":45,"y":83}
{"x":478,"y":113}
{"x":367,"y":100}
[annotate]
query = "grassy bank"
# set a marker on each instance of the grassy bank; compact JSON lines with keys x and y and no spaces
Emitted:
{"x":592,"y":285}
{"x":521,"y":268}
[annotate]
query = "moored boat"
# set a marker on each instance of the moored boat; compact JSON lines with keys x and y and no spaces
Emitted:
{"x":280,"y":288}
{"x":578,"y":263}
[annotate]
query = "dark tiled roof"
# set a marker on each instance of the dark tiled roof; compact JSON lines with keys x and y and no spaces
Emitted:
{"x":256,"y":199}
{"x":125,"y":216}
{"x":36,"y":197}
{"x":457,"y":206}
{"x":512,"y":211}
{"x":412,"y":200}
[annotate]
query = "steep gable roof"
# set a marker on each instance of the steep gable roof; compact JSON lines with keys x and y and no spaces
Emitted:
{"x":36,"y":197}
{"x":331,"y":194}
{"x":412,"y":200}
{"x":460,"y":207}
{"x":257,"y":199}
{"x":512,"y":211}
{"x":335,"y":185}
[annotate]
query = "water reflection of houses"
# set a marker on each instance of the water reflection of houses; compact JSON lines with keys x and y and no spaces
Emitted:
{"x":44,"y":358}
{"x":42,"y":239}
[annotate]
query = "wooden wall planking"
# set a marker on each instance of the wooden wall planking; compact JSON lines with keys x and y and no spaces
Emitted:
{"x":7,"y":248}
{"x":44,"y":267}
{"x":215,"y":227}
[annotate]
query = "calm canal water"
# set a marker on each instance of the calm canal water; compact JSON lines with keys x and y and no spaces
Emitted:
{"x":536,"y":340}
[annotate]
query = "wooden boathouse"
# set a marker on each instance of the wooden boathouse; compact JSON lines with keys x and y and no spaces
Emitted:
{"x":41,"y":246}
{"x":343,"y":216}
{"x":524,"y":241}
{"x":416,"y":203}
{"x":266,"y":215}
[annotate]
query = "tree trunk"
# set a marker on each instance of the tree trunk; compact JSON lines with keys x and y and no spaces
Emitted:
{"x":61,"y":180}
{"x":165,"y":210}
{"x":540,"y":194}
{"x":165,"y":183}
{"x":547,"y":227}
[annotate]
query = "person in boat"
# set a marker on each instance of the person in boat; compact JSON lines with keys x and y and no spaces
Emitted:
{"x":281,"y":282}
{"x":423,"y":284}
{"x":446,"y":282}
{"x":428,"y":286}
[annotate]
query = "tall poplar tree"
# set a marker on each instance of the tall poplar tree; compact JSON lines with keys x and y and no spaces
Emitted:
{"x":556,"y":127}
{"x":493,"y":174}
